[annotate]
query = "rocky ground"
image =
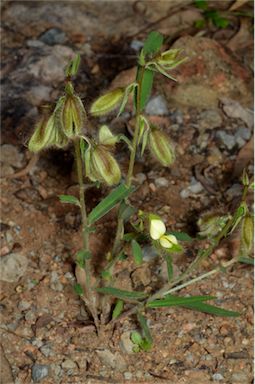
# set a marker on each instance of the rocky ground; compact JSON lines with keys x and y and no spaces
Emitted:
{"x":46,"y":335}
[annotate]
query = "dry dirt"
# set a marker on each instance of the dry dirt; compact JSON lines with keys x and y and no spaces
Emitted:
{"x":45,"y":329}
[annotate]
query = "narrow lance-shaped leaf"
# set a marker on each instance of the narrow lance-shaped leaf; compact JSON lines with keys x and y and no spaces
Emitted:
{"x":121,"y":294}
{"x":110,"y":201}
{"x":171,"y":301}
{"x":169,"y":263}
{"x":145,"y":80}
{"x":146,"y":331}
{"x":137,"y":252}
{"x":117,"y":309}
{"x":246,"y":260}
{"x":69,"y":199}
{"x":211,"y":309}
{"x":153,"y":43}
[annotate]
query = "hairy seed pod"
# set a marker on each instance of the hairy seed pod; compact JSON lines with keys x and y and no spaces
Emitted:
{"x":247,"y":234}
{"x":107,"y":102}
{"x":161,"y":147}
{"x":72,"y":115}
{"x":103,"y":166}
{"x":106,"y":137}
{"x":211,"y":223}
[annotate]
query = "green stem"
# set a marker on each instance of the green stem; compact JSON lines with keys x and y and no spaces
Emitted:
{"x":89,"y":294}
{"x":119,"y":230}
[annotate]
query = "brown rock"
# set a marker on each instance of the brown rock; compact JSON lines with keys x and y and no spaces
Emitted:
{"x":210,"y":72}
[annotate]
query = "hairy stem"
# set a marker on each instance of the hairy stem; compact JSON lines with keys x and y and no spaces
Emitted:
{"x":119,"y":230}
{"x":89,"y":294}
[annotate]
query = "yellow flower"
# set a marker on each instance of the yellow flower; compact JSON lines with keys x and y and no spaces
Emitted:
{"x":167,"y":241}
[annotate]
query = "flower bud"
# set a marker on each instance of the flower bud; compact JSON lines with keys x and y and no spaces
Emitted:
{"x":157,"y":227}
{"x":161,"y":147}
{"x":107,"y":102}
{"x":247,"y":234}
{"x":167,"y":241}
{"x":72,"y":115}
{"x":106,"y":137}
{"x":103,"y":166}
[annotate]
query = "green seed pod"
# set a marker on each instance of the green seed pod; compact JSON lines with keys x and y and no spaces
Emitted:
{"x":211,"y":223}
{"x":47,"y":133}
{"x":107,"y":102}
{"x":247,"y":233}
{"x":72,"y":115}
{"x":103,"y":166}
{"x":161,"y":147}
{"x":106,"y":137}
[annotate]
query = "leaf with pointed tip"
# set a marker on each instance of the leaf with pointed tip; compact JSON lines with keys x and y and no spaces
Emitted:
{"x":121,"y":294}
{"x":146,"y":331}
{"x":169,"y":263}
{"x":211,"y":309}
{"x":69,"y":199}
{"x":171,"y":301}
{"x":109,"y":202}
{"x":246,"y":260}
{"x":137,"y":252}
{"x":78,"y":289}
{"x":117,"y":309}
{"x":145,"y":79}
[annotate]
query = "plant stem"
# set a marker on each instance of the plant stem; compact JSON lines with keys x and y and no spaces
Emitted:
{"x":119,"y":230}
{"x":89,"y":294}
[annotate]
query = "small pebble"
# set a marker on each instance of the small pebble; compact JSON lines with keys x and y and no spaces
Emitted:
{"x":217,"y":377}
{"x":53,"y":36}
{"x":226,"y":139}
{"x":161,"y":182}
{"x":128,"y":375}
{"x":157,"y":106}
{"x":46,"y":350}
{"x":149,"y":253}
{"x":140,"y":177}
{"x":240,"y":377}
{"x":68,"y":364}
{"x":24,"y":305}
{"x":136,"y":45}
{"x":39,"y":372}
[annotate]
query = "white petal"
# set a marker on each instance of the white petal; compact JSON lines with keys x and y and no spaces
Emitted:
{"x":157,"y":229}
{"x":167,"y":241}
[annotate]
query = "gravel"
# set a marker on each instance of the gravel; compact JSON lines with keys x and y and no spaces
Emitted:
{"x":217,"y":377}
{"x":227,"y":140}
{"x":157,"y":106}
{"x":53,"y":36}
{"x":13,"y":266}
{"x":39,"y":372}
{"x":161,"y":182}
{"x":10,"y":155}
{"x":210,"y":119}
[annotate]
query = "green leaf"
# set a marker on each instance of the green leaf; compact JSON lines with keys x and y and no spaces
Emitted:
{"x":129,"y":89}
{"x":109,"y":202}
{"x":153,"y":43}
{"x":201,"y":4}
{"x":145,"y":76}
{"x":171,"y":301}
{"x":106,"y":275}
{"x":126,"y":211}
{"x":200,"y":23}
{"x":69,"y":199}
{"x":146,"y":331}
{"x":81,"y":257}
{"x":129,"y":236}
{"x":180,"y":236}
{"x":137,"y":252}
{"x":117,"y":309}
{"x":73,"y":66}
{"x":78,"y":289}
{"x":169,"y":263}
{"x":121,"y":294}
{"x":211,"y":309}
{"x":136,"y":338}
{"x":246,"y":260}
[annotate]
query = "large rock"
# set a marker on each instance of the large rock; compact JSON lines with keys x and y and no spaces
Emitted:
{"x":210,"y":72}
